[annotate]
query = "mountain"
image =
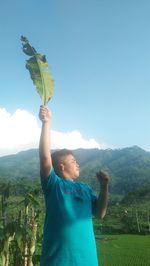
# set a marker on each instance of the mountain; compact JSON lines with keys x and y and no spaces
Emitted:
{"x":129,"y":168}
{"x":22,"y":164}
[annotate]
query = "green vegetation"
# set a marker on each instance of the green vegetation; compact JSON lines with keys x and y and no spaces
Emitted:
{"x":123,"y":236}
{"x":21,"y":225}
{"x":129,"y":168}
{"x":123,"y":250}
{"x":39,"y":72}
{"x":19,"y":217}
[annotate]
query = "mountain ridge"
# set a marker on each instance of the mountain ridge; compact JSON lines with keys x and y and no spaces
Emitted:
{"x":129,"y":168}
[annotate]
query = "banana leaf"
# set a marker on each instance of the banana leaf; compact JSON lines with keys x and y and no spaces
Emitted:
{"x":39,"y":71}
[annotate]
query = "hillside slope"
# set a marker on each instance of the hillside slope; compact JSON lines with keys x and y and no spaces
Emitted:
{"x":129,"y":168}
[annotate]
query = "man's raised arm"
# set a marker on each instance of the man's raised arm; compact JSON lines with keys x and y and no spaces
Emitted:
{"x":45,"y":142}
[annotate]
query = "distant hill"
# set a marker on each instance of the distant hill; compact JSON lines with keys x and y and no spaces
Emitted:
{"x":129,"y":168}
{"x":22,"y":164}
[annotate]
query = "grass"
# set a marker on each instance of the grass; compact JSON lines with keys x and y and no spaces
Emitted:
{"x":123,"y":250}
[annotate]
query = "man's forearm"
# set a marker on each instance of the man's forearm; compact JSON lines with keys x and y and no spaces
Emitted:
{"x":102,"y":202}
{"x":45,"y":143}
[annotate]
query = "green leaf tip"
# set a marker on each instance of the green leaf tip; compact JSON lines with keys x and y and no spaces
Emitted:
{"x":39,"y":71}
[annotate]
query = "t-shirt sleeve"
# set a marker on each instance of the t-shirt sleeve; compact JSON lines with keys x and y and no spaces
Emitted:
{"x":92,"y":194}
{"x":50,"y":181}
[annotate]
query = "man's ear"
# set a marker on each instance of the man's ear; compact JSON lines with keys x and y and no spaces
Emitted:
{"x":61,"y":167}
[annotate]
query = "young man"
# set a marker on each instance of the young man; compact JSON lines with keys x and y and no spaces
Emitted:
{"x":68,"y":230}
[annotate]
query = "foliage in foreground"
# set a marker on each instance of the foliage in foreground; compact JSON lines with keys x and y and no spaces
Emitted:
{"x":22,"y":215}
{"x":18,"y":230}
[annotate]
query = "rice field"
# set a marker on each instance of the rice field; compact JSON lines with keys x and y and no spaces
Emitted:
{"x":123,"y":250}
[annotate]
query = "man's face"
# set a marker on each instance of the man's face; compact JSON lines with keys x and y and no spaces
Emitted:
{"x":70,"y":167}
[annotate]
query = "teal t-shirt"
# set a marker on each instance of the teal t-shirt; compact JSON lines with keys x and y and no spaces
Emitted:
{"x":68,"y":238}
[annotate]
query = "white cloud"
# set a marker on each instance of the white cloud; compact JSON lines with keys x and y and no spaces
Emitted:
{"x":72,"y":140}
{"x":20,"y":131}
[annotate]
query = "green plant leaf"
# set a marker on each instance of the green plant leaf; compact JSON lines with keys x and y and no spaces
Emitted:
{"x":39,"y":71}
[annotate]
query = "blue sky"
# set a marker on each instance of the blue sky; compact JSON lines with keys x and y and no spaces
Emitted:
{"x":99,"y":55}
